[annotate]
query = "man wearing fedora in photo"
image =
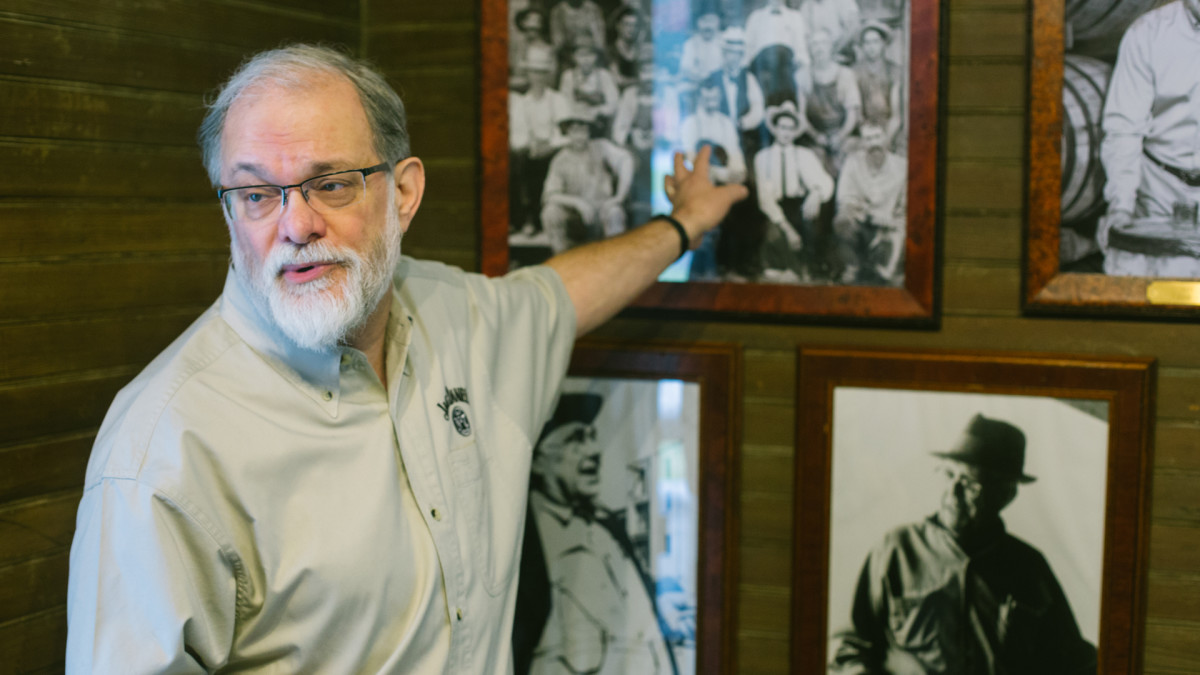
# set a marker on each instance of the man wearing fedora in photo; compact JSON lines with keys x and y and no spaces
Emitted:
{"x":585,"y":604}
{"x":586,"y":186}
{"x":956,"y":593}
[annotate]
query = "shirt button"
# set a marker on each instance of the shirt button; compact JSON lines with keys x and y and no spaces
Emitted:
{"x":437,"y":515}
{"x":328,"y":396}
{"x":458,"y":613}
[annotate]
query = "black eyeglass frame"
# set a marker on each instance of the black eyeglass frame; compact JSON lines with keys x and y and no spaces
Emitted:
{"x":283,"y":189}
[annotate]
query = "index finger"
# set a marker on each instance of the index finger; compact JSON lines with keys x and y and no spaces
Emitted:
{"x":700,"y":164}
{"x":681,"y":170}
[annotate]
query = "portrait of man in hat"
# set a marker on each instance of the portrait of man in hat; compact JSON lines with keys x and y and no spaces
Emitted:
{"x":957,"y":591}
{"x":587,"y":600}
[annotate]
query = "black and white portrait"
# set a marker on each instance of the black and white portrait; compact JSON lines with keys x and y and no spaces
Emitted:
{"x":803,"y":101}
{"x":966,"y":532}
{"x":1131,"y":138}
{"x":609,"y":564}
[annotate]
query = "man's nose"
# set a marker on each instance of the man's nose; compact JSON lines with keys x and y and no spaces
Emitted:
{"x":298,"y":222}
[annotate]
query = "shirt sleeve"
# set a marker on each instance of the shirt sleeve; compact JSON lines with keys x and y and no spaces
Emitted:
{"x":1126,"y":116}
{"x":150,"y":589}
{"x":523,"y":334}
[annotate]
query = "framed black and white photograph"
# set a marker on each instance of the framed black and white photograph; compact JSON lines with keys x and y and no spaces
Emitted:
{"x":826,"y":109}
{"x":977,"y":513}
{"x":628,"y":564}
{"x":1114,"y":181}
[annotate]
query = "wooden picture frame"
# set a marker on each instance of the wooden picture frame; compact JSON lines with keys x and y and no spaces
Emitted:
{"x":1067,"y":88}
{"x":919,"y":403}
{"x":910,"y":297}
{"x":676,"y":407}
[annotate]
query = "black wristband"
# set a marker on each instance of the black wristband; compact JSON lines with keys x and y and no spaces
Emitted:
{"x":685,"y":243}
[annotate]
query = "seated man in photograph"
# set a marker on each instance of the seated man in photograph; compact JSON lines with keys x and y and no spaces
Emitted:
{"x":585,"y":603}
{"x":1150,"y":153}
{"x":956,"y":593}
{"x":792,"y":185}
{"x":871,"y":209}
{"x":701,"y":55}
{"x":586,"y":186}
{"x":326,"y":472}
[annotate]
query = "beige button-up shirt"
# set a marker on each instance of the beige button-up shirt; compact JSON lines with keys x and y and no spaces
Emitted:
{"x":250,"y":506}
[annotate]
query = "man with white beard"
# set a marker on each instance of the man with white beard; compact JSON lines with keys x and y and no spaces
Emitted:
{"x":327,"y":471}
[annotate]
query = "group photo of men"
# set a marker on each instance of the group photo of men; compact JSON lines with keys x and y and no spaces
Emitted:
{"x":802,"y":101}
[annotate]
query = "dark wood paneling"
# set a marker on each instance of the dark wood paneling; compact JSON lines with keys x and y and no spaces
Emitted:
{"x":248,"y":25}
{"x":37,"y":528}
{"x":765,"y":562}
{"x":33,"y":585}
{"x":764,"y":610}
{"x":988,"y":33}
{"x":407,"y":46}
{"x":85,"y":112}
{"x":64,"y":169}
{"x":58,"y":406}
{"x":52,"y":348}
{"x":1172,"y":648}
{"x":1174,"y":548}
{"x":976,"y":137}
{"x":59,"y":289}
{"x":981,"y":185}
{"x":1178,"y":391}
{"x":385,"y":13}
{"x":762,"y":655}
{"x":1177,"y":446}
{"x":982,"y":237}
{"x":73,"y":228}
{"x":766,"y":516}
{"x":34,"y":644}
{"x":429,"y":92}
{"x":1177,"y":496}
{"x":979,"y":289}
{"x":988,"y":86}
{"x":768,"y":422}
{"x":770,"y":374}
{"x":35,"y":469}
{"x":767,"y":470}
{"x":34,"y":49}
{"x":1175,"y":598}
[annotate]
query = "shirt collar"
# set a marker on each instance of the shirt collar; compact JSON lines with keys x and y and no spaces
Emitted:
{"x":314,"y":372}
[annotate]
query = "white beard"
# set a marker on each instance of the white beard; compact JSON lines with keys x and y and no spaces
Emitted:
{"x":321,"y":314}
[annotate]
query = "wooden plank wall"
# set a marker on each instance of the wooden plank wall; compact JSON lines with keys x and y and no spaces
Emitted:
{"x":429,"y":50}
{"x":111,"y":242}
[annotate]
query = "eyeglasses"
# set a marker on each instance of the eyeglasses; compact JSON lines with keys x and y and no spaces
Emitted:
{"x":256,"y":204}
{"x":971,"y":485}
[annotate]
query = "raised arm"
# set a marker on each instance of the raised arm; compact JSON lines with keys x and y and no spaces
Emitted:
{"x":604,"y":276}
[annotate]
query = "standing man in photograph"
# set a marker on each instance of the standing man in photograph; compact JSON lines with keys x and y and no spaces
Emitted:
{"x":585,"y":603}
{"x":327,"y":471}
{"x":957,"y":594}
{"x":1151,"y":146}
{"x":533,"y":138}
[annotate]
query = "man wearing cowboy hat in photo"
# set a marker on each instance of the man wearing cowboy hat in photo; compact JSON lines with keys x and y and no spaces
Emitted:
{"x":956,"y":593}
{"x":586,"y":186}
{"x":880,"y":81}
{"x":587,"y":84}
{"x":792,"y":185}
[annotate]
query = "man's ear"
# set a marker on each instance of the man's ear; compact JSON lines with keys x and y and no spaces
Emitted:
{"x":410,"y":187}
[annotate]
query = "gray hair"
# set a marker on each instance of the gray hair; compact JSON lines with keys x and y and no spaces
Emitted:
{"x":292,"y":68}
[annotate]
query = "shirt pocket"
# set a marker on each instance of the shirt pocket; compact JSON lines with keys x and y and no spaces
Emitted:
{"x":919,"y":618}
{"x":492,"y":560}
